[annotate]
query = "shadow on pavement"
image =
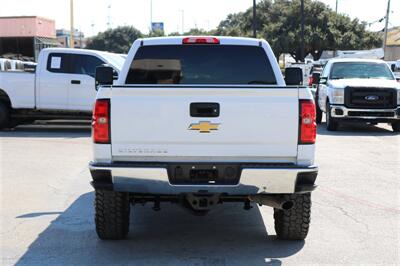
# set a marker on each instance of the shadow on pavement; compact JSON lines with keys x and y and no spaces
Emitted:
{"x":226,"y":236}
{"x":355,"y":129}
{"x":48,"y":131}
{"x":37,"y":214}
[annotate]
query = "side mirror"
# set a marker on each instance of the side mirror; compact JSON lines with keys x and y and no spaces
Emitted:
{"x":293,"y":76}
{"x":104,"y":75}
{"x":316,"y":76}
{"x":115,"y":74}
{"x":393,"y":67}
{"x":323,"y":80}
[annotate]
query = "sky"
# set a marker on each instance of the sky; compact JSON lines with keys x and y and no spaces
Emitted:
{"x":93,"y":16}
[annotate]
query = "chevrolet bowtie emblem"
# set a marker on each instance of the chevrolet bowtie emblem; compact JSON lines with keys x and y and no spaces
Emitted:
{"x":204,"y":126}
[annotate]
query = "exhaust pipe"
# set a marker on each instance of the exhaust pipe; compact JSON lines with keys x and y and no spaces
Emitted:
{"x":272,"y":201}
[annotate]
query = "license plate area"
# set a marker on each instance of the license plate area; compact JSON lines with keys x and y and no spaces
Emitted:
{"x":204,"y":174}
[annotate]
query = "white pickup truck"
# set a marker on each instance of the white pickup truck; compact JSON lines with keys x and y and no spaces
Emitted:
{"x":358,"y":91}
{"x":63,"y":86}
{"x":202,"y":121}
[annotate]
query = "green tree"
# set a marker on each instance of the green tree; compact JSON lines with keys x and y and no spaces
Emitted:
{"x":156,"y":33}
{"x":194,"y":32}
{"x":118,"y":40}
{"x":279,"y":23}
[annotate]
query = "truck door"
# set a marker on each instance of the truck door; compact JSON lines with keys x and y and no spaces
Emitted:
{"x":82,"y":91}
{"x":53,"y":82}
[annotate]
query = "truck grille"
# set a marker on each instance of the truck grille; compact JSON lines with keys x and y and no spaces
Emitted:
{"x":370,"y":98}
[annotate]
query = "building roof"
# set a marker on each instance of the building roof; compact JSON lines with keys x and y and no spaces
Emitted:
{"x":27,"y":26}
{"x":21,"y":17}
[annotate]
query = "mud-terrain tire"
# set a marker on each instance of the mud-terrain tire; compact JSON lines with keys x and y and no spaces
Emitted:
{"x":396,"y":127}
{"x":293,"y":224}
{"x":112,"y":214}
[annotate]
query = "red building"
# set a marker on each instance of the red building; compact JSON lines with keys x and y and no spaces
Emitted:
{"x":24,"y":37}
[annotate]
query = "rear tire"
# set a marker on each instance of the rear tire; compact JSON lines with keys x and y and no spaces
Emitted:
{"x":4,"y":115}
{"x":318,"y":111}
{"x":331,"y":123}
{"x":293,"y":224}
{"x":396,"y":127}
{"x":112,"y":211}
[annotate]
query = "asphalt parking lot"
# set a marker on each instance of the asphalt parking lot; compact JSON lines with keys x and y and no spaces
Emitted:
{"x":47,"y":209}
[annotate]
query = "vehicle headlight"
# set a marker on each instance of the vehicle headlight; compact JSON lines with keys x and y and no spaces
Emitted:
{"x":337,"y":96}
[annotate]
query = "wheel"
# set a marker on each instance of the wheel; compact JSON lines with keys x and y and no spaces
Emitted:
{"x":396,"y":126}
{"x":112,"y":214}
{"x":331,"y":123}
{"x":293,"y":224}
{"x":318,"y":112}
{"x":4,"y":115}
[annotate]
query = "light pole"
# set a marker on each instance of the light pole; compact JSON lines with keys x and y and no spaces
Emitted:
{"x":71,"y":34}
{"x":254,"y":20}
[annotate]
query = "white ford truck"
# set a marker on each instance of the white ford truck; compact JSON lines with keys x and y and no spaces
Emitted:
{"x":63,"y":86}
{"x":358,"y":91}
{"x":201,"y":121}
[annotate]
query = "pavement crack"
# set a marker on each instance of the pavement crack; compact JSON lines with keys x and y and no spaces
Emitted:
{"x":348,"y":215}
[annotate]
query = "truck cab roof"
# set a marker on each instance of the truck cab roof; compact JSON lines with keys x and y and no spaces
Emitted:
{"x":338,"y":60}
{"x":115,"y":60}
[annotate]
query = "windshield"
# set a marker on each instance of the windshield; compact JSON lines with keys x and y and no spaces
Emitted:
{"x":363,"y":70}
{"x":115,"y":60}
{"x":201,"y":64}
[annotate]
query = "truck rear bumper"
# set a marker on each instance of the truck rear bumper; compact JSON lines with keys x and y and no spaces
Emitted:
{"x":153,"y":178}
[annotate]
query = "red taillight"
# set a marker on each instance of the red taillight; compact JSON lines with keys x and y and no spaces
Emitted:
{"x":310,"y":81}
{"x":308,"y":126}
{"x":200,"y":40}
{"x":101,"y":121}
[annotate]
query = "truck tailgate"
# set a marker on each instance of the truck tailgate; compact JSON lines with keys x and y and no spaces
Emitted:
{"x":155,"y":124}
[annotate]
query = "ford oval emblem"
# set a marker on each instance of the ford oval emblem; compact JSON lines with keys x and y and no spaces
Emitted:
{"x":371,"y":98}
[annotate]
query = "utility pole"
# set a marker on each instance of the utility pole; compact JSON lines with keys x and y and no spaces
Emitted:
{"x":151,"y":15}
{"x":302,"y":31}
{"x":336,"y":6}
{"x":254,"y":20}
{"x":109,"y":17}
{"x":71,"y":34}
{"x":336,"y":9}
{"x":386,"y":28}
{"x":183,"y":20}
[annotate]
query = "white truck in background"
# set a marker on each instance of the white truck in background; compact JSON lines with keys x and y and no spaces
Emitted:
{"x":62,"y":86}
{"x":201,"y":121}
{"x":354,"y":90}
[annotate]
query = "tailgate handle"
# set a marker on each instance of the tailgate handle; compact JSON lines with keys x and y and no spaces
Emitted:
{"x":204,"y":109}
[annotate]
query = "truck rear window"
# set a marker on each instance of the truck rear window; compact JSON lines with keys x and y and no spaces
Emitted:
{"x":200,"y":64}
